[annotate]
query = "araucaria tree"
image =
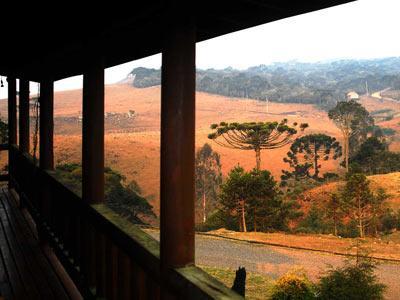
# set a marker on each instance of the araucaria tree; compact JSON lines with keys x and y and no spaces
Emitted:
{"x":208,"y":178}
{"x":310,"y":149}
{"x":254,"y":135}
{"x":351,"y":118}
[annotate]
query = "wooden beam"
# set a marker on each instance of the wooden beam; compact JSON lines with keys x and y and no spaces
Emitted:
{"x":12,"y":110}
{"x":46,"y":153}
{"x":177,"y":146}
{"x":24,"y":115}
{"x":93,"y":132}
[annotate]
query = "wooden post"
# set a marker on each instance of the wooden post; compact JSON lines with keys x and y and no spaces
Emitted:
{"x":46,"y":155}
{"x":46,"y":152}
{"x":24,"y":115}
{"x":92,"y":159}
{"x":93,"y":132}
{"x":12,"y":110}
{"x":12,"y":125}
{"x":177,"y":146}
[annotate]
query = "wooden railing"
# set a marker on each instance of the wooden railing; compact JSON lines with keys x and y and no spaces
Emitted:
{"x":104,"y":260}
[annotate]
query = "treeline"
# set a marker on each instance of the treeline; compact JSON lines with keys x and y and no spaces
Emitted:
{"x":322,"y":84}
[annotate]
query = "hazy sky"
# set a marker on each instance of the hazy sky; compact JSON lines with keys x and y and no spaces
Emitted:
{"x":362,"y":29}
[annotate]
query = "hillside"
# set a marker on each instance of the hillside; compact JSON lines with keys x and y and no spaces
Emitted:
{"x":321,"y":83}
{"x":390,"y":182}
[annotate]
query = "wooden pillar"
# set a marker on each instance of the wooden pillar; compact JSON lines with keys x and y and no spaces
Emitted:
{"x":177,"y":145}
{"x":92,"y":160}
{"x":93,"y":132}
{"x":46,"y":125}
{"x":46,"y":152}
{"x":12,"y":110}
{"x":12,"y":126}
{"x":24,"y":115}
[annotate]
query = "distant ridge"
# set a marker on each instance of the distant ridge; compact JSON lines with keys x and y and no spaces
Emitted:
{"x":321,"y":83}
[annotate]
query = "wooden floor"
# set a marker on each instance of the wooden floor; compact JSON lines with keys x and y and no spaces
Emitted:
{"x":25,"y":270}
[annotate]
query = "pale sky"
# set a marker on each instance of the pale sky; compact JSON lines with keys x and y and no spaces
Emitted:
{"x":362,"y":29}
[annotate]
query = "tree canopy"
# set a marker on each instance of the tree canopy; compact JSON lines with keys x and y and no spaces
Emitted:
{"x":352,"y":119}
{"x":307,"y":151}
{"x":254,"y":135}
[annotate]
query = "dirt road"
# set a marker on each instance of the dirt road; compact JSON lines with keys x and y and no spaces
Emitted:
{"x":275,"y":261}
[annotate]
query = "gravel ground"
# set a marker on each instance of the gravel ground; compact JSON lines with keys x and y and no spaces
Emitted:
{"x":275,"y":261}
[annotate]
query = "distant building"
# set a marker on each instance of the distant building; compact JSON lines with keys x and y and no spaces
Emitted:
{"x":352,"y":96}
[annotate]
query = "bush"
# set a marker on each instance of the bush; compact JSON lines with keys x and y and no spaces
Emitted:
{"x":218,"y":219}
{"x":293,"y":285}
{"x":313,"y":222}
{"x":356,"y":281}
{"x":349,"y":230}
{"x":388,"y":221}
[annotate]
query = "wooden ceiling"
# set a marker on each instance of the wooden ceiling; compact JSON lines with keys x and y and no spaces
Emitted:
{"x":54,"y":40}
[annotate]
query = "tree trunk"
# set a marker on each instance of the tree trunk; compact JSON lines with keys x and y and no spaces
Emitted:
{"x":335,"y":229}
{"x":243,"y":219}
{"x":204,"y":207}
{"x":316,"y":171}
{"x":360,"y":221}
{"x":347,"y":144}
{"x":255,"y":223}
{"x":258,"y":158}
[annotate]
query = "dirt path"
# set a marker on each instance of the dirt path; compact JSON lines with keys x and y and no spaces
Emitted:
{"x":275,"y":261}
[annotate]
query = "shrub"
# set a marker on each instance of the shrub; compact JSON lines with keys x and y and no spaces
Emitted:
{"x":314,"y":221}
{"x":294,"y":285}
{"x":218,"y":219}
{"x":356,"y":281}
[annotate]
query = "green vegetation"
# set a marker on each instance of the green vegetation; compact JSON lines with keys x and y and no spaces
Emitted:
{"x":208,"y":179}
{"x":353,"y":281}
{"x":373,"y":157}
{"x":254,"y":136}
{"x":123,"y":198}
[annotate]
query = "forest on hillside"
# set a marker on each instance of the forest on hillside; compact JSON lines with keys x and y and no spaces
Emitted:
{"x":321,"y":83}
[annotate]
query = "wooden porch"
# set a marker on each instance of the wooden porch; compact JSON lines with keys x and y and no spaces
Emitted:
{"x":101,"y":258}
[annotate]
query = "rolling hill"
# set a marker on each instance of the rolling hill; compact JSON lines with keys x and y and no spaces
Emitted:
{"x":132,"y":140}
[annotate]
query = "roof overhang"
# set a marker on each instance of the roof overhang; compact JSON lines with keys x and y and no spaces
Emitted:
{"x":54,"y":42}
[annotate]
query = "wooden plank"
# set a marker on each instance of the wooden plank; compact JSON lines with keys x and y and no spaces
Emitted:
{"x":28,"y":262}
{"x":5,"y":285}
{"x":124,"y":276}
{"x":47,"y":272}
{"x":16,"y":281}
{"x":111,"y":270}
